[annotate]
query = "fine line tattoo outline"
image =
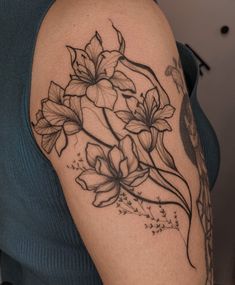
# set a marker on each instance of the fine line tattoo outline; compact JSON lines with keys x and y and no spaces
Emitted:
{"x":116,"y":168}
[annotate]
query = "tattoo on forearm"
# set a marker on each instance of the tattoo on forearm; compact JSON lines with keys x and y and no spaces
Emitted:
{"x":125,"y":150}
{"x":194,"y":151}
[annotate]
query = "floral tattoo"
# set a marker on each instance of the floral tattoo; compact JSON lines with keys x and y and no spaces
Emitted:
{"x":133,"y":152}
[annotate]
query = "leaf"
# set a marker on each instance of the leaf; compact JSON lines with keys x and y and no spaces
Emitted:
{"x":122,"y":82}
{"x":163,"y":152}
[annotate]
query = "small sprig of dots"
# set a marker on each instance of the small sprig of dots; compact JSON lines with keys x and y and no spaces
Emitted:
{"x":135,"y":206}
{"x":77,"y":163}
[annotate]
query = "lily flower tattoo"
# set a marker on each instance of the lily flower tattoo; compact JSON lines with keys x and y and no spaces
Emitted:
{"x":118,"y":166}
{"x":146,"y":118}
{"x":95,"y":74}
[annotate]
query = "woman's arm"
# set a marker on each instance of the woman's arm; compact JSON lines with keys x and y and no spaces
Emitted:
{"x":110,"y":110}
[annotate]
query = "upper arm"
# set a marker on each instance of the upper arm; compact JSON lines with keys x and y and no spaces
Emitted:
{"x":114,"y":119}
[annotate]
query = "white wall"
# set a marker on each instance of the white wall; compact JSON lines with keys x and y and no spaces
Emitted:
{"x":198,"y":23}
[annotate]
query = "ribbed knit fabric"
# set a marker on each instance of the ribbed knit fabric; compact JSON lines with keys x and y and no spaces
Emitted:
{"x":38,"y":239}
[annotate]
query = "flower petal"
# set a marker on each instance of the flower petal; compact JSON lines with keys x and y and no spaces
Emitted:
{"x":55,"y":93}
{"x":93,"y":151}
{"x":141,"y":113}
{"x":81,"y":63}
{"x":145,"y":139}
{"x":166,"y":112}
{"x":125,"y":116}
{"x":123,"y":167}
{"x":48,"y":141}
{"x":148,"y":139}
{"x":132,"y":104}
{"x":109,"y":185}
{"x":162,"y":125}
{"x":122,"y":82}
{"x":136,"y":178}
{"x":75,"y":105}
{"x":71,"y":128}
{"x":107,"y":196}
{"x":102,"y":167}
{"x":76,"y":87}
{"x":154,"y":134}
{"x":102,"y":94}
{"x":151,"y":100}
{"x":129,"y":151}
{"x":115,"y":157}
{"x":94,"y":47}
{"x":39,"y":115}
{"x":61,"y":143}
{"x":90,"y":180}
{"x":135,"y":126}
{"x":57,"y":114}
{"x":107,"y":62}
{"x":43,"y":127}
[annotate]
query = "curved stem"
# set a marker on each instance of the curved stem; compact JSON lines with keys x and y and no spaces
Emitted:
{"x":96,"y":139}
{"x":176,"y":192}
{"x":109,"y":125}
{"x":187,"y":248}
{"x":185,"y":207}
{"x":188,"y":213}
{"x":179,"y":175}
{"x":148,"y":73}
{"x":183,"y":179}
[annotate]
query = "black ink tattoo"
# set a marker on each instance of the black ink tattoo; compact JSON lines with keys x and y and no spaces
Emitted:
{"x":133,"y":153}
{"x":194,"y":151}
{"x":204,"y":200}
{"x":175,"y":72}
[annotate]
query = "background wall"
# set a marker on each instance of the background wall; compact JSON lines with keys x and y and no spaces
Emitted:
{"x":198,"y":24}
